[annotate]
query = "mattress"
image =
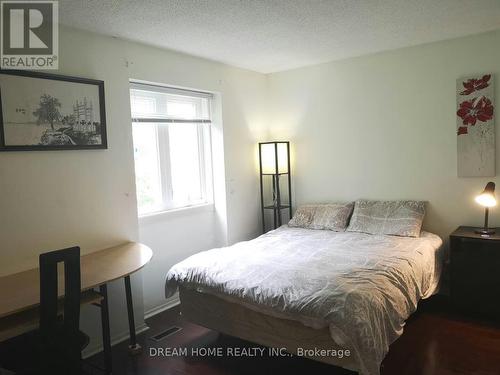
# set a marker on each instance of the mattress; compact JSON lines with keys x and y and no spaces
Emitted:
{"x":362,"y":287}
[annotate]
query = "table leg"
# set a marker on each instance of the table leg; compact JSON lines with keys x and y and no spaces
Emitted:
{"x":134,"y":348}
{"x":106,"y":336}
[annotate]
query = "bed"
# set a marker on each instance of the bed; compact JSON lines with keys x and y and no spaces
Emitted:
{"x":304,"y":289}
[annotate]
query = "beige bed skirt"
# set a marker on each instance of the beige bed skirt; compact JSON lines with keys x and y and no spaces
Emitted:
{"x":238,"y":321}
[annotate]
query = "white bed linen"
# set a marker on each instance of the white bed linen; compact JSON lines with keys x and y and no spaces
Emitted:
{"x":362,"y":286}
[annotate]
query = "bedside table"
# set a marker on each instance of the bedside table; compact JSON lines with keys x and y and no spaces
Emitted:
{"x":475,"y":272}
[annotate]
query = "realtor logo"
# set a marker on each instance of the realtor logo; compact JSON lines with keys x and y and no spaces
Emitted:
{"x":29,"y":35}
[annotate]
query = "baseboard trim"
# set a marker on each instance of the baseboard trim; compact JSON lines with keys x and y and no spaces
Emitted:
{"x":116,"y":339}
{"x":170,"y":302}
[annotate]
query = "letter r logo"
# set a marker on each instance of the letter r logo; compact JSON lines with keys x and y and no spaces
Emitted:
{"x":28,"y":27}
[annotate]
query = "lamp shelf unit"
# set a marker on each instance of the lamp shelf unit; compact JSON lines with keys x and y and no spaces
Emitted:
{"x":274,"y":164}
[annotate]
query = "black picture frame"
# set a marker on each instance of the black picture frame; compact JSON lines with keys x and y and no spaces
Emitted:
{"x":99,"y":127}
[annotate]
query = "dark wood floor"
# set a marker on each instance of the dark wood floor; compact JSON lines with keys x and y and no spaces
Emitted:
{"x":436,"y":341}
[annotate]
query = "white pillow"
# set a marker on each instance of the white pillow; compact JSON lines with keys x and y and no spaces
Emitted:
{"x":331,"y":216}
{"x":399,"y":218}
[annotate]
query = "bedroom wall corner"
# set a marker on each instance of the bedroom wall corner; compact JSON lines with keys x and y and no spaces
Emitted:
{"x":383,"y":127}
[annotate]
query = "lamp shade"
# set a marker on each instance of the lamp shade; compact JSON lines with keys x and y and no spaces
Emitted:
{"x":269,"y":152}
{"x":487,"y":197}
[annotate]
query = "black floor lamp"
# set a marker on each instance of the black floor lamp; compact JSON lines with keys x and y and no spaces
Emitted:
{"x":274,"y":163}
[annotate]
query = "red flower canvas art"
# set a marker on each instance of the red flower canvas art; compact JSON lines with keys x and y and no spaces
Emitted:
{"x":475,"y":126}
{"x":475,"y":84}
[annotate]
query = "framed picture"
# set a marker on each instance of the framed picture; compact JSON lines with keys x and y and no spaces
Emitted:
{"x":476,"y":126}
{"x":40,"y":111}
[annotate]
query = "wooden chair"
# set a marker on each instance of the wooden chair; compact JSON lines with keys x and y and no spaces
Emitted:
{"x":56,"y":346}
{"x":61,"y":342}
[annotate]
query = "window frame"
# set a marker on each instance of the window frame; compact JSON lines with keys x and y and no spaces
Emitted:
{"x":204,"y":143}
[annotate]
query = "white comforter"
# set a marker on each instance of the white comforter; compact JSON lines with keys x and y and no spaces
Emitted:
{"x":362,"y":286}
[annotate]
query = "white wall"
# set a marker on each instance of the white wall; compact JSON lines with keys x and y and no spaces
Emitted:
{"x":383,"y":127}
{"x":175,"y":236}
{"x":50,"y":200}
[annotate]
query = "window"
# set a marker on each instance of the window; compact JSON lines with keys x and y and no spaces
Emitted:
{"x":171,"y":132}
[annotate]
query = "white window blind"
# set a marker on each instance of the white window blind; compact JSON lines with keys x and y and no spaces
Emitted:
{"x":171,"y":132}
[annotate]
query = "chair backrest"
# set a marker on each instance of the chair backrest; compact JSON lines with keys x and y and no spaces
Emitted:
{"x":60,"y":339}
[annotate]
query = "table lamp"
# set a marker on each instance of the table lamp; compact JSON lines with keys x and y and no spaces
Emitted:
{"x":487,"y":199}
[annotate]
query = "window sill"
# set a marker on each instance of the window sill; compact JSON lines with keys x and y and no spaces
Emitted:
{"x":176,"y":212}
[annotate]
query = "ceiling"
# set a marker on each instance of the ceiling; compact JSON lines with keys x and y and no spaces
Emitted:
{"x":274,"y":35}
